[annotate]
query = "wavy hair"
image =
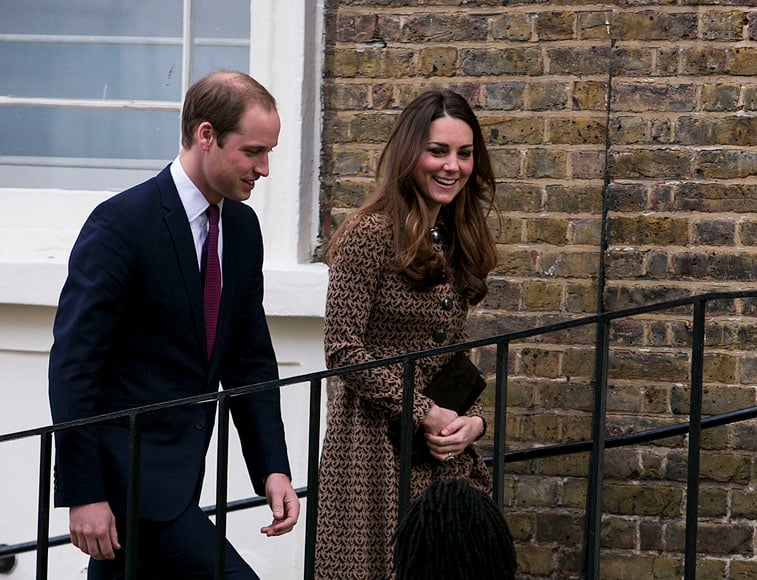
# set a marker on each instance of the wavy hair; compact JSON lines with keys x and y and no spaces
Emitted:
{"x":471,"y":249}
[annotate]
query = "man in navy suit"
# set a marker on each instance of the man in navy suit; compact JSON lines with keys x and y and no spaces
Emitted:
{"x":130,"y":330}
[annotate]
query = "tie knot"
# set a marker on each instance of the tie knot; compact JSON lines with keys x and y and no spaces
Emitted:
{"x":213,"y":214}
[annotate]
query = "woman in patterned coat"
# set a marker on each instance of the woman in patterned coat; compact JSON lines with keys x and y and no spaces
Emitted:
{"x":404,"y":271}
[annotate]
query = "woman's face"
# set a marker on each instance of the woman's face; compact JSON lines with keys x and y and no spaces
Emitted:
{"x":446,"y":162}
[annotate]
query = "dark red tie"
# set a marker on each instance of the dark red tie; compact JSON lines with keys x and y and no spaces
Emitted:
{"x":211,"y":278}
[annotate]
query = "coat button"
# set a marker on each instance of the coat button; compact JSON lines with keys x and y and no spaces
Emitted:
{"x":436,"y":237}
{"x":200,"y":425}
{"x":440,"y":336}
{"x":447,"y":304}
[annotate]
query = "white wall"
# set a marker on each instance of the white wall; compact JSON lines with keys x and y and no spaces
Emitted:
{"x":36,"y":237}
{"x":25,"y":338}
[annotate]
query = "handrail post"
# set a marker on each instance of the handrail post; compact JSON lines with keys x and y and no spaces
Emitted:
{"x":406,"y":434}
{"x":43,"y":511}
{"x":695,"y":432}
{"x":222,"y":477}
{"x":311,"y":516}
{"x":500,"y":424}
{"x":592,"y":533}
{"x":132,"y":494}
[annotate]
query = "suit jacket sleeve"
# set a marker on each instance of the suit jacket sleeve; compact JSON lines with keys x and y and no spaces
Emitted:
{"x":88,"y":313}
{"x":248,"y":357}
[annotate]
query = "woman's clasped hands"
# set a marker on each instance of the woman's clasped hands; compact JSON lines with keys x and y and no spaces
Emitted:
{"x":448,"y":434}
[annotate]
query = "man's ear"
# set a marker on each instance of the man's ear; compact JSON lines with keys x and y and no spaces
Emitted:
{"x":205,"y":135}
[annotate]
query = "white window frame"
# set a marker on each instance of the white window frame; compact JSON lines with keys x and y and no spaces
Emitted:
{"x":286,"y":57}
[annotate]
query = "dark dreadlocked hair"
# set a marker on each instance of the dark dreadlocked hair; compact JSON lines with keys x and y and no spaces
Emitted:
{"x":453,"y":531}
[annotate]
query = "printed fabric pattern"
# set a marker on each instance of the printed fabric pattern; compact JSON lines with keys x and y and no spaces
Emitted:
{"x":372,"y":313}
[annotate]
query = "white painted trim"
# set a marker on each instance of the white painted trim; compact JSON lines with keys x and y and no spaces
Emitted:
{"x":34,"y":257}
{"x":290,"y":290}
{"x":285,"y":56}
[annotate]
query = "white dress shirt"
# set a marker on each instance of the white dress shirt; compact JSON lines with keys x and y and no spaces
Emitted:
{"x":195,"y":205}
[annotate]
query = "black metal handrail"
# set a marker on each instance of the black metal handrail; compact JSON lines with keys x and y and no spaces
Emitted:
{"x":596,"y":445}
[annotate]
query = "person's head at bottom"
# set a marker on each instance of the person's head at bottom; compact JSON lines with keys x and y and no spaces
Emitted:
{"x":454,"y":531}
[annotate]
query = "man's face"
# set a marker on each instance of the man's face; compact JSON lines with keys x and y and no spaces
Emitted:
{"x":230,"y":171}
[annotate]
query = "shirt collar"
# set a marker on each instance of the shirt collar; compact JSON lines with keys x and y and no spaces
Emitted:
{"x":192,"y":199}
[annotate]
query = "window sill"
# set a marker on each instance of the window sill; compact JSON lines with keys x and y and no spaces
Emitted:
{"x":36,"y":239}
{"x":35,"y":279}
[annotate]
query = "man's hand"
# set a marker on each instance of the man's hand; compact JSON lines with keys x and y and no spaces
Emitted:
{"x":93,"y":530}
{"x":285,"y":505}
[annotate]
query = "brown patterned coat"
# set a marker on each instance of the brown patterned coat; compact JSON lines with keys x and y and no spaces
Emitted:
{"x":373,"y":313}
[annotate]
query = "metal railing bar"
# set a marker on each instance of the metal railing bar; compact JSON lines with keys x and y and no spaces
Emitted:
{"x":616,"y":441}
{"x":599,"y":440}
{"x":31,"y":546}
{"x":43,"y":515}
{"x":509,"y":457}
{"x":62,"y":540}
{"x":406,"y":435}
{"x":325,"y":374}
{"x":311,"y":516}
{"x":695,"y":432}
{"x":249,"y":502}
{"x":222,"y":465}
{"x":500,"y":428}
{"x":132,"y":495}
{"x":592,"y":532}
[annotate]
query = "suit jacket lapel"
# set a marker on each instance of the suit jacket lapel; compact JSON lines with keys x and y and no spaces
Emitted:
{"x":177,"y":224}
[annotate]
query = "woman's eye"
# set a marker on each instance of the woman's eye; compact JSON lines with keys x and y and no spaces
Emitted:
{"x":465,"y":154}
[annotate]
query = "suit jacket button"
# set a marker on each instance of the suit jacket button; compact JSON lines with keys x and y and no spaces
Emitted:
{"x":440,"y":336}
{"x":200,"y":425}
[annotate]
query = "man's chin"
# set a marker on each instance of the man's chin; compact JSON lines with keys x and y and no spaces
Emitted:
{"x":244,"y":193}
{"x":247,"y":192}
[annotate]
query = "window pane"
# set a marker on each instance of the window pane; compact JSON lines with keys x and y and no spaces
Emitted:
{"x":92,"y":17}
{"x":90,"y":133}
{"x":222,"y":33}
{"x":209,"y":59}
{"x":227,"y":19}
{"x":91,"y":71}
{"x":95,"y":50}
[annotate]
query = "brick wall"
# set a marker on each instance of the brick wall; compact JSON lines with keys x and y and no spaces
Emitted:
{"x":672,"y":169}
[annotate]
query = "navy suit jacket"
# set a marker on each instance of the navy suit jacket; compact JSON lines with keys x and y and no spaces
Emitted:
{"x":129,"y":331}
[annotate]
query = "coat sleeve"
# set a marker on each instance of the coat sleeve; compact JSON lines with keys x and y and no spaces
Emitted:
{"x":360,"y":257}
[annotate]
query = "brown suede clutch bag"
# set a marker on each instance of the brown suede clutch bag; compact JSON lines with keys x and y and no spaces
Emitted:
{"x":456,"y":386}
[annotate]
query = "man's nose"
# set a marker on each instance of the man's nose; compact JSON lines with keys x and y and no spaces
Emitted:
{"x":261,"y":166}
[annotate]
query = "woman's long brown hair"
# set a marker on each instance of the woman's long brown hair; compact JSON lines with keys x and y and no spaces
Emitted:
{"x":472,"y":252}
